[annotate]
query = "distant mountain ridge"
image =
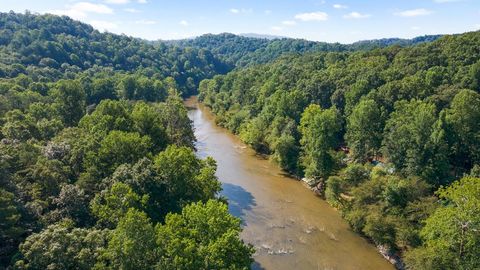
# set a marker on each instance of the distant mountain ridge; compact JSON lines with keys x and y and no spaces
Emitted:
{"x":396,"y":41}
{"x":251,"y":49}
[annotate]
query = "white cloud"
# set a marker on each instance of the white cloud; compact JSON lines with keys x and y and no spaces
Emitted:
{"x":415,"y":28}
{"x":238,"y":11}
{"x":184,"y":23}
{"x":312,"y":16}
{"x":104,"y":25}
{"x":142,"y":1}
{"x":268,"y":12}
{"x":132,"y":10}
{"x":356,"y":15}
{"x":94,"y":8}
{"x":289,"y":22}
{"x":340,"y":6}
{"x":68,"y":12}
{"x":277,"y":28}
{"x":117,"y":1}
{"x":414,"y":12}
{"x":80,"y":10}
{"x":146,"y":22}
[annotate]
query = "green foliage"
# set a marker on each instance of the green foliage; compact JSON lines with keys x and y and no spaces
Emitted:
{"x":286,"y":152}
{"x":247,"y":50}
{"x":386,"y":208}
{"x":117,"y":148}
{"x":364,"y":130}
{"x":253,"y":133}
{"x":62,"y":247}
{"x":10,"y":225}
{"x":101,"y":89}
{"x":174,"y":118}
{"x":71,"y":203}
{"x":82,"y":116}
{"x":450,"y":236}
{"x":415,"y":141}
{"x":147,"y":121}
{"x":69,"y":101}
{"x":111,"y":205}
{"x":364,"y":87}
{"x":203,"y":236}
{"x":186,"y":177}
{"x":55,"y":47}
{"x":319,"y":129}
{"x":68,"y":143}
{"x":132,"y":243}
{"x":463,"y":129}
{"x":108,"y":115}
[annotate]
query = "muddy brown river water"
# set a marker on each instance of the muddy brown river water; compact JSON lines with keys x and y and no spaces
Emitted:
{"x":289,"y":226}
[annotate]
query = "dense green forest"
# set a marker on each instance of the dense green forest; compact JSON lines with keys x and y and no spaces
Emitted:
{"x":389,"y":136}
{"x":98,"y":167}
{"x":241,"y":51}
{"x":97,"y":164}
{"x":50,"y":47}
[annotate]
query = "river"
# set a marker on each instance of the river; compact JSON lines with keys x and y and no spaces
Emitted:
{"x":289,"y":226}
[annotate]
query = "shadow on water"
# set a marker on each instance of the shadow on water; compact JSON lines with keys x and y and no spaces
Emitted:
{"x":257,"y":266}
{"x":239,"y":200}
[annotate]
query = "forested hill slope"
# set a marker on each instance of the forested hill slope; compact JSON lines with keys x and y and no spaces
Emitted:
{"x":385,"y":42}
{"x":49,"y":46}
{"x":407,"y":122}
{"x":243,"y":51}
{"x":97,"y":164}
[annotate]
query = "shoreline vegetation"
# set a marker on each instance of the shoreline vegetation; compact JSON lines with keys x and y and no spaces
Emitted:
{"x":326,"y":116}
{"x":97,"y":164}
{"x":98,"y":169}
{"x":312,"y":185}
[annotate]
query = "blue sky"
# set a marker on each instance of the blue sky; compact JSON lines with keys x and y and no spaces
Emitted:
{"x":322,"y":20}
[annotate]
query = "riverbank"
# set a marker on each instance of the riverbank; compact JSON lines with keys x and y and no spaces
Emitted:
{"x":318,"y":190}
{"x":288,"y":225}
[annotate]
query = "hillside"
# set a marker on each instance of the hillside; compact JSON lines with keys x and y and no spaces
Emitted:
{"x":97,"y":161}
{"x":98,"y":167}
{"x":242,"y":51}
{"x":375,"y":132}
{"x":50,"y":46}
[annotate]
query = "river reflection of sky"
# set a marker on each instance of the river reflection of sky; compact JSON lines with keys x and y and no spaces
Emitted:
{"x":239,"y":200}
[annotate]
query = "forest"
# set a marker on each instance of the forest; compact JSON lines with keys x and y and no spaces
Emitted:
{"x":388,"y":136}
{"x":241,"y":51}
{"x":97,"y":158}
{"x":97,"y":162}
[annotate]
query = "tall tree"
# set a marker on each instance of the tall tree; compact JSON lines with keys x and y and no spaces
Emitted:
{"x":70,"y":101}
{"x":320,"y":129}
{"x":187,"y":178}
{"x":203,"y":236}
{"x":10,"y":226}
{"x":112,"y":204}
{"x":132,"y":244}
{"x":414,"y":141}
{"x":463,"y":129}
{"x":61,"y":246}
{"x":365,"y":130}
